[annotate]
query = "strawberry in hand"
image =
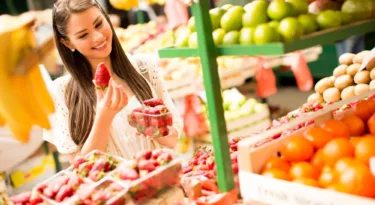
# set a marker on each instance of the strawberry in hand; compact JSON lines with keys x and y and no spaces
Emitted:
{"x":102,"y":77}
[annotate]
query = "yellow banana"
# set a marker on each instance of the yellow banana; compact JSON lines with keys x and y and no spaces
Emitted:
{"x":25,"y":93}
{"x":20,"y":133}
{"x":40,"y":89}
{"x":2,"y":120}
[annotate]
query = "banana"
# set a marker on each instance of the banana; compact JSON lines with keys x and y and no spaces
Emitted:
{"x":21,"y":133}
{"x":40,"y":89}
{"x":25,"y":93}
{"x":2,"y":120}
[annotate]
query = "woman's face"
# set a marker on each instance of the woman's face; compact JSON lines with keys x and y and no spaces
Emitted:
{"x":90,"y":34}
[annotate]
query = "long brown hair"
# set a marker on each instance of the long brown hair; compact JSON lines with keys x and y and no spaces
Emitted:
{"x":80,"y":94}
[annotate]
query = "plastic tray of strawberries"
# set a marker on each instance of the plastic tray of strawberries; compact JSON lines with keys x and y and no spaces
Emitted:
{"x":95,"y":165}
{"x":153,"y":120}
{"x":148,"y":175}
{"x":61,"y":188}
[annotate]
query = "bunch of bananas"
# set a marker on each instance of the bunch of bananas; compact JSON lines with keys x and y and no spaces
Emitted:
{"x":124,"y":4}
{"x":160,"y":2}
{"x":24,"y":99}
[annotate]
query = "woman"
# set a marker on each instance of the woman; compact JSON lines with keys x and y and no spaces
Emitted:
{"x":85,"y":119}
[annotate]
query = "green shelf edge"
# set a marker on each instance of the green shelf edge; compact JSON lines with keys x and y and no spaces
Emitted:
{"x":317,"y":38}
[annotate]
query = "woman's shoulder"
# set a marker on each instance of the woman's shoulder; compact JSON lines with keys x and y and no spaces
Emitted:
{"x":60,"y":83}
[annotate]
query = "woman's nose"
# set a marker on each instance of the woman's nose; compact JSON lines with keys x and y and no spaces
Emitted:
{"x":98,"y":36}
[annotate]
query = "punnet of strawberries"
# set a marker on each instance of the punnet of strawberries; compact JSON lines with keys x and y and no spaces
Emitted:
{"x":152,"y":120}
{"x":142,"y":177}
{"x":95,"y":166}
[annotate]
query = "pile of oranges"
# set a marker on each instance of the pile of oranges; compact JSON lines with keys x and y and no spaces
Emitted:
{"x":334,"y":155}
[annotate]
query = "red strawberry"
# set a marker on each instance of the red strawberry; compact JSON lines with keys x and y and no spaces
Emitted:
{"x":99,"y":165}
{"x":168,"y":120}
{"x":64,"y":192}
{"x":156,"y":153}
{"x":40,"y":187}
{"x":131,"y":121}
{"x":96,"y":175}
{"x":165,"y":158}
{"x":149,"y":131}
{"x":151,"y":111}
{"x":102,"y":76}
{"x":156,"y":122}
{"x":48,"y":192}
{"x":140,"y":128}
{"x":162,"y":109}
{"x":57,"y":186}
{"x":235,"y":168}
{"x":116,"y":187}
{"x":153,"y":102}
{"x":22,"y":198}
{"x":145,"y":155}
{"x":35,"y":198}
{"x":163,"y":131}
{"x":127,"y":173}
{"x":75,"y":181}
{"x":146,"y":165}
{"x":78,"y":160}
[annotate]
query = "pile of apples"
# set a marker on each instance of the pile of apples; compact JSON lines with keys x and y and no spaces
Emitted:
{"x":95,"y":166}
{"x":335,"y":155}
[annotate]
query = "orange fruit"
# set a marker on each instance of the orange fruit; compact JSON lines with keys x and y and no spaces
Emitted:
{"x":318,"y":136}
{"x":307,"y":181}
{"x":297,"y":149}
{"x":357,"y":179}
{"x":327,"y":177}
{"x":355,"y":124}
{"x":337,"y":128}
{"x":355,"y":140}
{"x":318,"y":160}
{"x":343,"y":164}
{"x":365,"y":149}
{"x":364,"y":109}
{"x":303,"y":170}
{"x":277,"y":174}
{"x":277,"y":163}
{"x":371,"y":124}
{"x":337,"y":149}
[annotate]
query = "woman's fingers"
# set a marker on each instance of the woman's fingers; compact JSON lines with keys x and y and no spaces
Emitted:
{"x":109,"y":94}
{"x":116,"y":97}
{"x":124,"y":99}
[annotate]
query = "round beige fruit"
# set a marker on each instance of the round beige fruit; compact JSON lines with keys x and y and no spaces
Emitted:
{"x":359,"y":57}
{"x":348,"y":92}
{"x":343,"y":82}
{"x":346,"y":58}
{"x":372,"y":74}
{"x":331,"y":95}
{"x":323,"y":85}
{"x":362,"y":77}
{"x":353,"y":69}
{"x":361,"y":88}
{"x":340,"y":70}
{"x":372,"y":85}
{"x":315,"y":98}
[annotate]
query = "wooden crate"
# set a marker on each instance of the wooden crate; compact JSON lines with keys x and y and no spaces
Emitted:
{"x":272,"y":191}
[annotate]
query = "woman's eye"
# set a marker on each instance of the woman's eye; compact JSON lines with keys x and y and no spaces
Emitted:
{"x":99,"y":24}
{"x":82,"y":36}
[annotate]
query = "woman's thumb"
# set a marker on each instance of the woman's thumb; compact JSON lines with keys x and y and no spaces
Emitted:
{"x":99,"y":93}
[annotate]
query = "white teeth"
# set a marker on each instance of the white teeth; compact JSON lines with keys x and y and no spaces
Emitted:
{"x":101,"y":46}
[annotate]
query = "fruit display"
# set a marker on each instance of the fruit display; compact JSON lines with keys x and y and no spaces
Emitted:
{"x":32,"y":198}
{"x":24,"y":99}
{"x":261,"y":22}
{"x":334,"y":155}
{"x":101,"y":194}
{"x":348,"y":80}
{"x":95,"y":166}
{"x":152,"y":120}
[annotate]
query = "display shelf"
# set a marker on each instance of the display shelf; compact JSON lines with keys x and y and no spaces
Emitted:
{"x":317,"y":38}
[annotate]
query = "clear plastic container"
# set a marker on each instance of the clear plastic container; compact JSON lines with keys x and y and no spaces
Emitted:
{"x":85,"y":169}
{"x":148,"y":186}
{"x":150,"y":125}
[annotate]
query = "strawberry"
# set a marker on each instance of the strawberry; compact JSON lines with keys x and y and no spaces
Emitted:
{"x":75,"y":181}
{"x":127,"y":173}
{"x":146,"y":165}
{"x":156,"y":153}
{"x":168,"y":119}
{"x":141,"y":128}
{"x":153,"y":102}
{"x":157,"y":122}
{"x":151,"y":111}
{"x":102,"y":76}
{"x":57,"y":186}
{"x":162,"y":109}
{"x":149,"y":131}
{"x":77,"y":161}
{"x":64,"y":192}
{"x":35,"y":198}
{"x":40,"y":187}
{"x":131,"y":121}
{"x":163,"y":131}
{"x":22,"y":198}
{"x":48,"y":192}
{"x":116,"y":187}
{"x":164,"y":158}
{"x":99,"y":165}
{"x":96,"y":175}
{"x":235,"y":168}
{"x":145,"y":155}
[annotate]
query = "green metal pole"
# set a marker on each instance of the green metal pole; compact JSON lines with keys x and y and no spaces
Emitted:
{"x":208,"y":54}
{"x":140,"y":17}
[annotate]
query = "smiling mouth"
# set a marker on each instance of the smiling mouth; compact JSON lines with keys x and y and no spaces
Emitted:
{"x":101,"y":46}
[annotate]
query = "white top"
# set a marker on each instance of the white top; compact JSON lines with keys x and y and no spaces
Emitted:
{"x":123,"y":140}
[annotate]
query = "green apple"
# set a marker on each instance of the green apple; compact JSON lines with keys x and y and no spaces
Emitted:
{"x":232,"y":19}
{"x":257,"y":5}
{"x":254,"y":18}
{"x":279,"y":9}
{"x":182,"y":41}
{"x":193,"y":40}
{"x":301,"y":6}
{"x":218,"y":36}
{"x":290,"y":29}
{"x":259,"y":107}
{"x":226,"y":7}
{"x":215,"y":15}
{"x":191,"y":24}
{"x":231,"y":38}
{"x":264,"y":34}
{"x":247,"y":36}
{"x":308,"y":23}
{"x":329,"y":19}
{"x":234,"y":106}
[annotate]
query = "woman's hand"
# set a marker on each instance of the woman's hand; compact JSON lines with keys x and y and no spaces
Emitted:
{"x":111,"y":102}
